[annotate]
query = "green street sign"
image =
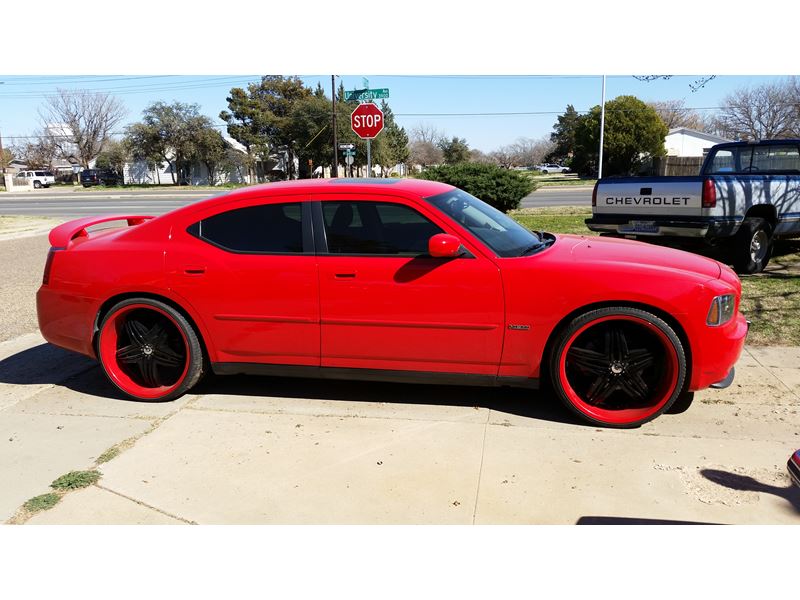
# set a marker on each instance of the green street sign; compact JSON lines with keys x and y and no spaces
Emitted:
{"x":366,"y":94}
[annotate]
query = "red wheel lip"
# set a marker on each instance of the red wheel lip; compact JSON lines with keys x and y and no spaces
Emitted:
{"x":625,"y":416}
{"x":107,"y":343}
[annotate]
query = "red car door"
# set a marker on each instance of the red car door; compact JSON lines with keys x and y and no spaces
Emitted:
{"x":250,"y":272}
{"x":385,"y":304}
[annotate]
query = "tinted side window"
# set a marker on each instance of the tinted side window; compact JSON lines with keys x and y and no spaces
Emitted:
{"x":268,"y":228}
{"x":376,"y":228}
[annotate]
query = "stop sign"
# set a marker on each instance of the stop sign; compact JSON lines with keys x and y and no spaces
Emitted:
{"x":367,"y":121}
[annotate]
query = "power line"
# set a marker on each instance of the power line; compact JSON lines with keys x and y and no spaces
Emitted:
{"x":141,"y":89}
{"x":80,"y":79}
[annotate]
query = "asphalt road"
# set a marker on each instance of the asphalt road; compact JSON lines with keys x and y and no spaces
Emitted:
{"x":559,"y":196}
{"x":81,"y":203}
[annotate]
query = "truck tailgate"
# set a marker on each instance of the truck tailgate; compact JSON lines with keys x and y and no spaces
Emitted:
{"x":645,"y":196}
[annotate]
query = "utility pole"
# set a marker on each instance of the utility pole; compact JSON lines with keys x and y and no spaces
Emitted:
{"x":602,"y":129}
{"x":335,"y":166}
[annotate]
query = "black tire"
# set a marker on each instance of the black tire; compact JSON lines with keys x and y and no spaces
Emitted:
{"x":545,"y":172}
{"x":752,"y":246}
{"x":646,"y":350}
{"x":681,"y":404}
{"x":37,"y":185}
{"x":193,"y":362}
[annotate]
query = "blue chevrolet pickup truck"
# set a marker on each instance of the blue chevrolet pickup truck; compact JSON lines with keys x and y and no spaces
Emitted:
{"x":746,"y":196}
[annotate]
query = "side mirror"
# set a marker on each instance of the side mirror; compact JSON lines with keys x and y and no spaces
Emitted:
{"x":444,"y":245}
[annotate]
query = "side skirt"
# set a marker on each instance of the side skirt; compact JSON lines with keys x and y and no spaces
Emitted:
{"x":424,"y":377}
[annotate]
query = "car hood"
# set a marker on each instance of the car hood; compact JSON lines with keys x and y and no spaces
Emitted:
{"x":620,"y":252}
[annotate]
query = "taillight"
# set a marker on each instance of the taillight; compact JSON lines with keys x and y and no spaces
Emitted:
{"x":48,"y":264}
{"x":594,"y":193}
{"x":709,"y":194}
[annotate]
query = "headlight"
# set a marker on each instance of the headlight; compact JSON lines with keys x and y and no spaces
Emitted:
{"x":721,"y":310}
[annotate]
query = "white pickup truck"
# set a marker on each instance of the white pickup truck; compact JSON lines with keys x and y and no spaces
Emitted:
{"x":747,"y":194}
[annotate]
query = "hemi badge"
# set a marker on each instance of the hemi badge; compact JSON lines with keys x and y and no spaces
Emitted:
{"x":519,"y":327}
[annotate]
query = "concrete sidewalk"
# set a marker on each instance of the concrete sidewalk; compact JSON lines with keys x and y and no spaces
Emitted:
{"x":269,"y":450}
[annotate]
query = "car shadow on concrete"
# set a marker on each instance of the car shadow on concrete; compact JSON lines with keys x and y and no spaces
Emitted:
{"x":743,"y":483}
{"x":600,"y":520}
{"x":533,"y":404}
{"x":48,"y":364}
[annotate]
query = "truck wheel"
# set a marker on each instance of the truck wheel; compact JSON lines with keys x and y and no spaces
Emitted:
{"x":37,"y":185}
{"x":752,"y":246}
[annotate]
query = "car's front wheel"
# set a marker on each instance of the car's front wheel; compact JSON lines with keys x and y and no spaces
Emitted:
{"x":618,"y":366}
{"x":149,"y":350}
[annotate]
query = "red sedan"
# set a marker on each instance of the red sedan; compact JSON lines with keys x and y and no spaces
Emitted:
{"x":394,"y":280}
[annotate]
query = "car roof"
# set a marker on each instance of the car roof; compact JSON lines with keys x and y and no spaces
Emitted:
{"x":343,"y":185}
{"x":779,"y":142}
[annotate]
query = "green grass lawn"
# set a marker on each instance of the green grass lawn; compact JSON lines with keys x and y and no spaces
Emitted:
{"x":557,"y":179}
{"x":770,"y":300}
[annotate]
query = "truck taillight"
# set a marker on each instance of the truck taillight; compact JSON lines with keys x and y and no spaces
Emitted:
{"x":709,"y":194}
{"x":594,"y":193}
{"x":48,"y":264}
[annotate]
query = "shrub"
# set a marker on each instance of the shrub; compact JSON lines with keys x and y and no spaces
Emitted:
{"x":76,"y":479}
{"x":502,"y":188}
{"x":43,"y":502}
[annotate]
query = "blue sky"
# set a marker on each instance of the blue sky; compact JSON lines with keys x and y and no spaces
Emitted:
{"x":440,"y":101}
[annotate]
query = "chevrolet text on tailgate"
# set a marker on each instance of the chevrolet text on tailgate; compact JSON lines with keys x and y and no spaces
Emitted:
{"x":748,"y":194}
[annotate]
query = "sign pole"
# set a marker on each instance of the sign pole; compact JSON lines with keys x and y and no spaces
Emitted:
{"x":602,"y":129}
{"x":369,"y":158}
{"x":335,"y":165}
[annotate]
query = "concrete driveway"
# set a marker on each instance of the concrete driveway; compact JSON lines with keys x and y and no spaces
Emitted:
{"x":270,"y":450}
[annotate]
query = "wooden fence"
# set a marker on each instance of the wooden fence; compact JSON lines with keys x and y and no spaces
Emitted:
{"x":677,"y":165}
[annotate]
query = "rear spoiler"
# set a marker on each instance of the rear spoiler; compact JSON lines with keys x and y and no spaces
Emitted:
{"x":66,"y":232}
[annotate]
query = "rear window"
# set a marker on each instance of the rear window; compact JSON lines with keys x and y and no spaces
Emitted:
{"x":755,"y":159}
{"x":40,"y":174}
{"x":785,"y":159}
{"x":263,"y":229}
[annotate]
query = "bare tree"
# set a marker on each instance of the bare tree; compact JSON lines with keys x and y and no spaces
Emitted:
{"x":674,"y":113}
{"x":765,"y":112}
{"x":423,"y":132}
{"x":80,"y":122}
{"x":424,"y":153}
{"x":477,"y":156}
{"x":503,"y":156}
{"x":424,"y":146}
{"x":528,"y":151}
{"x":37,"y":152}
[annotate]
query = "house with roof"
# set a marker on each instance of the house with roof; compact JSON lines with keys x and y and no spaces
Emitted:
{"x":682,"y":141}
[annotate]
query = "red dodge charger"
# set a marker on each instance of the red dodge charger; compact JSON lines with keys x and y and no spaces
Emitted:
{"x":393,"y":280}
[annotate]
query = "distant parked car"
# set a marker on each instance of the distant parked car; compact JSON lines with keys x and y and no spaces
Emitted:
{"x":38,"y":179}
{"x":91,"y":177}
{"x":552,"y":168}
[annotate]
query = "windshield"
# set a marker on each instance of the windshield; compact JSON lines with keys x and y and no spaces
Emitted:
{"x":500,"y":232}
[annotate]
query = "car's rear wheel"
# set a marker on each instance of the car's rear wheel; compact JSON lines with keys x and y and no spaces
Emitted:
{"x":618,"y":366}
{"x":149,"y":350}
{"x":37,"y":185}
